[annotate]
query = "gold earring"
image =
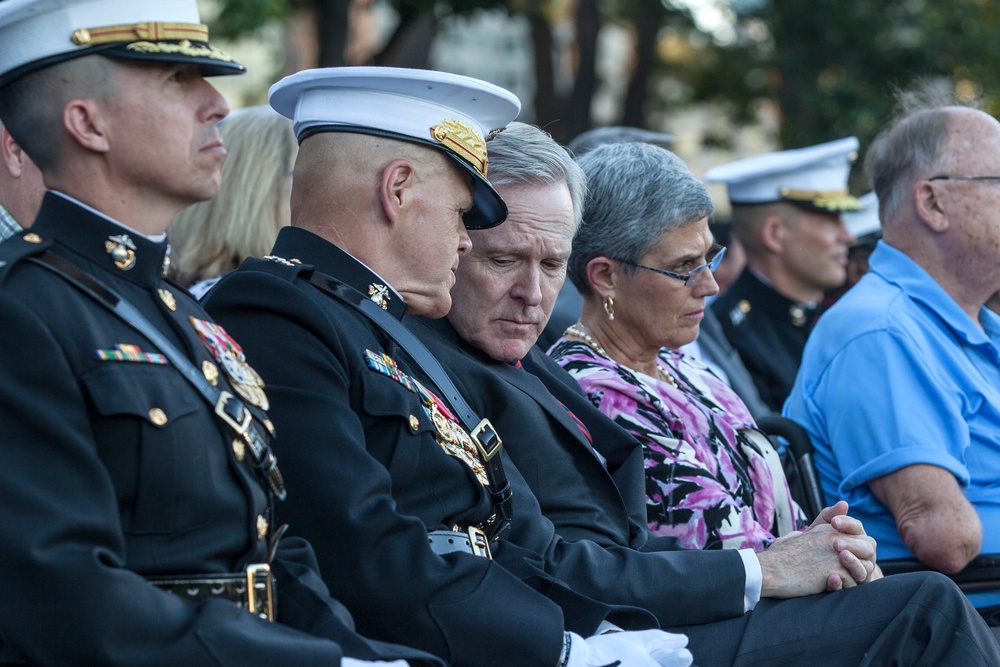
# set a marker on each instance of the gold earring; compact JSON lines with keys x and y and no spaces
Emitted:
{"x":609,"y":308}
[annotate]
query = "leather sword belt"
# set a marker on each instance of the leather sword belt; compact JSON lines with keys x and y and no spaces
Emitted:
{"x":471,"y":540}
{"x":252,"y":590}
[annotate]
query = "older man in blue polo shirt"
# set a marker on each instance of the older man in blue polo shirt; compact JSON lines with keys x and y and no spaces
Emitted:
{"x":900,"y":381}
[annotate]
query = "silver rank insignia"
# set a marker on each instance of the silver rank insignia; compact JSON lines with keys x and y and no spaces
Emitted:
{"x":122,"y":251}
{"x":379,"y":294}
{"x":229,"y":356}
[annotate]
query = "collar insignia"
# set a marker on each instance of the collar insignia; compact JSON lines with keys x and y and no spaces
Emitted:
{"x":122,"y":251}
{"x":380,"y":295}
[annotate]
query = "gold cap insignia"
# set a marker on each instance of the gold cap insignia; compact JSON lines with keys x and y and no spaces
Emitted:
{"x":463,"y":141}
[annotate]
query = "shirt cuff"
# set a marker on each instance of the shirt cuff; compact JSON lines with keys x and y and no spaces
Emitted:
{"x":754,"y":579}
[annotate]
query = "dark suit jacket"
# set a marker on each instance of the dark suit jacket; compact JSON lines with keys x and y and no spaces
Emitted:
{"x":578,"y":494}
{"x":115,"y":468}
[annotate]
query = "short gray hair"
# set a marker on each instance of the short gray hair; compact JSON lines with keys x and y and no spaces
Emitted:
{"x":910,"y":146}
{"x":31,"y":107}
{"x":617,"y":134}
{"x":525,"y":155}
{"x":637,"y":193}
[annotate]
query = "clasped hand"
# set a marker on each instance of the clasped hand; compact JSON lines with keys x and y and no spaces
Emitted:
{"x":833,"y":553}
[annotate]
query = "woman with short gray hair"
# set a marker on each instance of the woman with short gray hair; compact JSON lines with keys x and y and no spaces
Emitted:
{"x":643,"y":259}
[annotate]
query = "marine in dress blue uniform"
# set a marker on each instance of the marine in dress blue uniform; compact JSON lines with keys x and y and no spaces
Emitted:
{"x":768,"y":312}
{"x":138,"y":528}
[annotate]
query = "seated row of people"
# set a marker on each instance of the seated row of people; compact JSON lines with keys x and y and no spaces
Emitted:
{"x":146,"y":500}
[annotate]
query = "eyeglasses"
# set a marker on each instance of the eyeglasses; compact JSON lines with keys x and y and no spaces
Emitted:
{"x":964,"y":178}
{"x":714,"y":257}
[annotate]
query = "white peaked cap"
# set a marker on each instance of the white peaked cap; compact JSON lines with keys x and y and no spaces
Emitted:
{"x":865,"y":222}
{"x":813,"y":177}
{"x":452,"y":113}
{"x":36,"y":33}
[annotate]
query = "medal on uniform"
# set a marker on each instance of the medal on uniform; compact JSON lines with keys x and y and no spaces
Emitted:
{"x":122,"y":251}
{"x":448,"y":433}
{"x":229,"y":356}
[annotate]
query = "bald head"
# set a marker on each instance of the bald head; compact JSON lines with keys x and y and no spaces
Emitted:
{"x":338,"y":177}
{"x":32,"y":107}
{"x":397,"y":206}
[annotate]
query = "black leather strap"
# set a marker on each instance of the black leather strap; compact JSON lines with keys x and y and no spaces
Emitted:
{"x":230,"y":409}
{"x":482,"y":432}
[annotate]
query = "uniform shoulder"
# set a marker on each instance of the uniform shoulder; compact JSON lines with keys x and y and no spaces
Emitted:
{"x":17,"y":249}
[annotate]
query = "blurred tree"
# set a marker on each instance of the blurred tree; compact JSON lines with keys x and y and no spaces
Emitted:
{"x":832,"y":65}
{"x":828,"y":66}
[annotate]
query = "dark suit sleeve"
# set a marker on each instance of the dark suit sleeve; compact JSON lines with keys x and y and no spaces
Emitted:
{"x":68,"y":597}
{"x":350,"y":452}
{"x":674,"y":585}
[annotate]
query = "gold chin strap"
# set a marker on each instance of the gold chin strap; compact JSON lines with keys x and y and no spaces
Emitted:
{"x":829,"y":200}
{"x":463,"y":141}
{"x":152,"y":31}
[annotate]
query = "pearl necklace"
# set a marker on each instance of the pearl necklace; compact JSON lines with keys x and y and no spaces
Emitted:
{"x":581,"y":331}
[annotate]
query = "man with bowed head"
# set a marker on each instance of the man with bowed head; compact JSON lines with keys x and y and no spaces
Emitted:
{"x":139,"y":484}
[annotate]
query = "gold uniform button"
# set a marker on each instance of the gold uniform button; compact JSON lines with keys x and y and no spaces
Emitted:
{"x":414,"y":422}
{"x":744,"y":306}
{"x":168,"y":299}
{"x":239,"y":449}
{"x":157,"y":416}
{"x":261,"y":527}
{"x":210,"y":371}
{"x":32,"y":237}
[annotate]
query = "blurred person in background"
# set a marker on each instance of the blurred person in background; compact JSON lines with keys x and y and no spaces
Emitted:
{"x":866,"y":229}
{"x":786,"y":210}
{"x":211,"y":238}
{"x":21,"y":187}
{"x":736,"y":257}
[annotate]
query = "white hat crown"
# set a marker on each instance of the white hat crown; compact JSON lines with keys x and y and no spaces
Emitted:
{"x":453,"y":113}
{"x":815,"y":177}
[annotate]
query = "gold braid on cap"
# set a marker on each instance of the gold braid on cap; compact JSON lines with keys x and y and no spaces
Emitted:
{"x":463,"y":141}
{"x":140,"y":31}
{"x":830,"y":200}
{"x":184,"y":47}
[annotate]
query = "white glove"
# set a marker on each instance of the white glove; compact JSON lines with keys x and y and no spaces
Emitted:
{"x":643,"y":648}
{"x":351,"y":662}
